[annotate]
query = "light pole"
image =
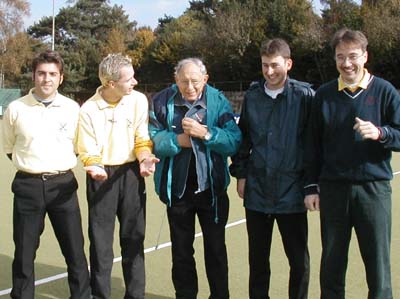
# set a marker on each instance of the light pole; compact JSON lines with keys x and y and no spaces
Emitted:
{"x":53,"y":31}
{"x":2,"y":52}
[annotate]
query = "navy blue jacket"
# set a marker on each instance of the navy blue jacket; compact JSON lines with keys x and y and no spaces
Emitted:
{"x":211,"y":156}
{"x":270,"y":157}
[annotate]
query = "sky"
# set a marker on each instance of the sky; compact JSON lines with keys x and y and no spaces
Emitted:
{"x":145,"y":12}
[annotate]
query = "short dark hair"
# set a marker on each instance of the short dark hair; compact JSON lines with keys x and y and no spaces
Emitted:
{"x":48,"y":57}
{"x":276,"y":46}
{"x":348,"y":36}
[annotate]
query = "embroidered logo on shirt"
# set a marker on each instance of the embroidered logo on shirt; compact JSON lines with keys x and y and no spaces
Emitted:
{"x":370,"y":101}
{"x":63,"y":127}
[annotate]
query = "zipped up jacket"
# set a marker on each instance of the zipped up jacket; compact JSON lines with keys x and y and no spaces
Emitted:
{"x":270,"y":157}
{"x":166,"y":115}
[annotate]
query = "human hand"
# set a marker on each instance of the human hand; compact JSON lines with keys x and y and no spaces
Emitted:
{"x":241,"y":183}
{"x":193,"y":128}
{"x":96,"y":172}
{"x":184,"y":140}
{"x":366,"y":129}
{"x":311,"y":202}
{"x":148,"y":165}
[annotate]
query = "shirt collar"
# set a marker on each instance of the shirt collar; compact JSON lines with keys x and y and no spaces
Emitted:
{"x":34,"y":102}
{"x":362,"y":84}
{"x":102,"y":103}
{"x":285,"y":86}
{"x":180,"y":101}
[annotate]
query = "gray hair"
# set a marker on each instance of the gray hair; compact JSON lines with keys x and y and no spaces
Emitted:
{"x":111,"y":65}
{"x":193,"y":60}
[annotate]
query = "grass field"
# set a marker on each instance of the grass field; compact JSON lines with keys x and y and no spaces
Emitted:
{"x":49,"y":261}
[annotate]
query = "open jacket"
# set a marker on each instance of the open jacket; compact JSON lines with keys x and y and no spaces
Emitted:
{"x":211,"y":156}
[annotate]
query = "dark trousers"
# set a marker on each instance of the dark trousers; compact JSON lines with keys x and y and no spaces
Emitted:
{"x":181,"y":217}
{"x":122,"y":195}
{"x":367,"y":208}
{"x":33,"y":198}
{"x":294,"y":232}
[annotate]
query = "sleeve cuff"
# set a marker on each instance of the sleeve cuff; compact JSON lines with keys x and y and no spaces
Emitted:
{"x":311,"y":189}
{"x":90,"y":161}
{"x":383,"y":134}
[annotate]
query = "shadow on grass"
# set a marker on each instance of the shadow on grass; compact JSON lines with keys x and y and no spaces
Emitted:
{"x":152,"y":296}
{"x":118,"y":290}
{"x":5,"y":272}
{"x":57,"y":289}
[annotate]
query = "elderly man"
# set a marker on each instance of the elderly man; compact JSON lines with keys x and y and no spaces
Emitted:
{"x":38,"y":134}
{"x":193,"y":131}
{"x":355,"y":125}
{"x":115,"y":148}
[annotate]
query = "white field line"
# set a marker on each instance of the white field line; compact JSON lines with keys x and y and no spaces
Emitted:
{"x":116,"y":260}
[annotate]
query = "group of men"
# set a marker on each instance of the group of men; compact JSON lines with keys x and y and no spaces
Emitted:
{"x":294,"y":150}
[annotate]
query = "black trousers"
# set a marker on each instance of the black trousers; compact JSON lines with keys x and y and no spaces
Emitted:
{"x":33,"y":199}
{"x":122,"y":195}
{"x":366,"y":207}
{"x":181,"y":218}
{"x":294,"y":233}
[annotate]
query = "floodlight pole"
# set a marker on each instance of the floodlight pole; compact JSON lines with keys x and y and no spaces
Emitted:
{"x":3,"y":51}
{"x":53,"y":31}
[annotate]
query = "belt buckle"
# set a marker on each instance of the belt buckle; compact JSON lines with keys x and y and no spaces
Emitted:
{"x":44,"y":176}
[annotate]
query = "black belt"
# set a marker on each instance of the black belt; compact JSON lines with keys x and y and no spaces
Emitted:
{"x":44,"y":175}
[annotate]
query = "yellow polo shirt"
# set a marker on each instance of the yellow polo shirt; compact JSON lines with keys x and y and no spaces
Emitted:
{"x":362,"y":84}
{"x":40,"y":138}
{"x":113,"y":134}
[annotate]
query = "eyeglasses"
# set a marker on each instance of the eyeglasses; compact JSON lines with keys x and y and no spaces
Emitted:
{"x":351,"y":57}
{"x":194,"y":83}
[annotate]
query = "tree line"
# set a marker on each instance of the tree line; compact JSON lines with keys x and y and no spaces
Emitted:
{"x":226,"y":34}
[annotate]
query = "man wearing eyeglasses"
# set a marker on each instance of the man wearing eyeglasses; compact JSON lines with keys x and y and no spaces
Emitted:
{"x":194,"y":131}
{"x":354,"y":128}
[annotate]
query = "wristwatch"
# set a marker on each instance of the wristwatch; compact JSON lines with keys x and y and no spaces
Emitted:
{"x":207,"y":136}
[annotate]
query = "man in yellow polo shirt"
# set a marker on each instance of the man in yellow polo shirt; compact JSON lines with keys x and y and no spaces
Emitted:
{"x":38,"y":134}
{"x":115,"y":148}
